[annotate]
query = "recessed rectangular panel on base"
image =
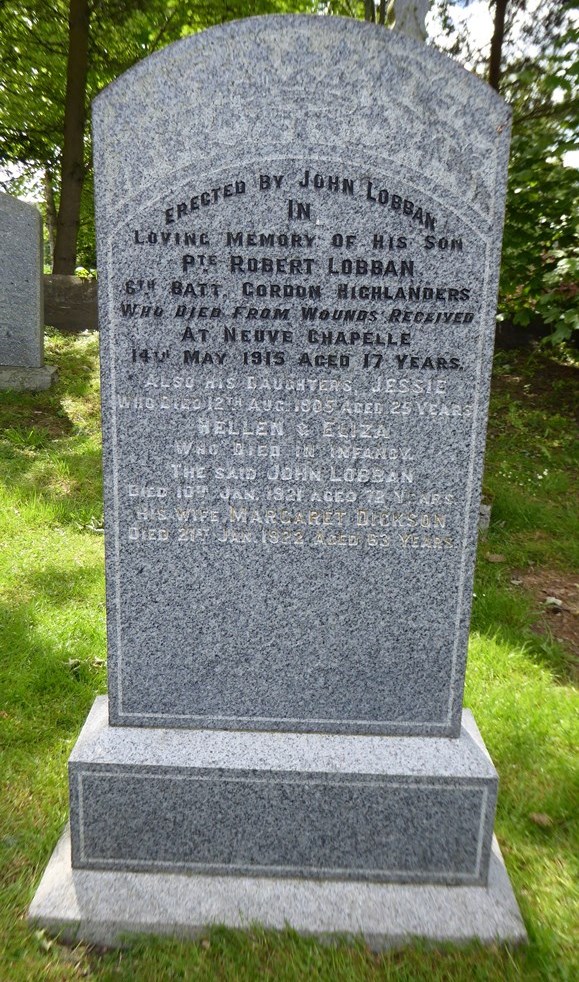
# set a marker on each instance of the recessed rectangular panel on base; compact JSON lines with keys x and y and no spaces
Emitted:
{"x":331,"y":807}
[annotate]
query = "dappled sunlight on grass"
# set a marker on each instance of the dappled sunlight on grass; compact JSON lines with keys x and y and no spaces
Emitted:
{"x":531,"y":728}
{"x":50,"y":441}
{"x":46,"y":478}
{"x":51,"y":662}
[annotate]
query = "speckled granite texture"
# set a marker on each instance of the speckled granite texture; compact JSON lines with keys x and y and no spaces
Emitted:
{"x":297,"y":281}
{"x":21,"y":322}
{"x":105,"y":907}
{"x":406,"y":809}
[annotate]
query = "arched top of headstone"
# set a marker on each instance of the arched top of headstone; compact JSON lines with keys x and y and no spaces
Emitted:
{"x":270,"y":84}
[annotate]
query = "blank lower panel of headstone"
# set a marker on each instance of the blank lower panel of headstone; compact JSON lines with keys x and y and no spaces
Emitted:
{"x":21,"y":322}
{"x":298,"y":259}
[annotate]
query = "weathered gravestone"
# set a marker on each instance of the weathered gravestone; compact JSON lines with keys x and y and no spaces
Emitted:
{"x":299,"y":226}
{"x":21,"y":322}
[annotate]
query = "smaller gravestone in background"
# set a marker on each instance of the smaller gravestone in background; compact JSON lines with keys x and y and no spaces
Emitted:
{"x":21,"y":308}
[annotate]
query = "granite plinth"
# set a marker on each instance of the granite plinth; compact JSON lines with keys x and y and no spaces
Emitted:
{"x":408,"y":809}
{"x":21,"y":298}
{"x":105,"y":908}
{"x":19,"y":379}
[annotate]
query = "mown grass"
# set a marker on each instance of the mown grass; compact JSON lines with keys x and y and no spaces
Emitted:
{"x":53,"y":645}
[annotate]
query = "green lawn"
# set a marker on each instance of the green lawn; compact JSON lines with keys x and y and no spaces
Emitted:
{"x":519,"y":685}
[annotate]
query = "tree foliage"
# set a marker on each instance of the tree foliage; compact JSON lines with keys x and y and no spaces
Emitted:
{"x":541,"y":253}
{"x":34,"y":53}
{"x":535,"y":70}
{"x":532,"y":64}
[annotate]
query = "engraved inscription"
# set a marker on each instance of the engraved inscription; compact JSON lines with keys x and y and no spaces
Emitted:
{"x":287,"y":365}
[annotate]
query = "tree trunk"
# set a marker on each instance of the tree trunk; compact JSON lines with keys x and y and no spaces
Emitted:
{"x":72,"y":171}
{"x":51,"y":217}
{"x":497,"y":44}
{"x":382,"y":12}
{"x":369,"y":11}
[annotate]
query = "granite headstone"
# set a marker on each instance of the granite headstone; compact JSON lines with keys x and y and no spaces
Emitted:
{"x":21,"y":321}
{"x":296,"y":362}
{"x":299,"y":225}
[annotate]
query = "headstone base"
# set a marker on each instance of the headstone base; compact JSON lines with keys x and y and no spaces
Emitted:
{"x":23,"y":379}
{"x":174,"y":831}
{"x":325,"y":806}
{"x":105,"y":908}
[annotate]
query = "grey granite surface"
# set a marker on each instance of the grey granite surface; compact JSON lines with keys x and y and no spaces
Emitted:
{"x":105,"y":907}
{"x":21,"y":259}
{"x":406,"y":809}
{"x":297,"y":282}
{"x":21,"y":379}
{"x":101,"y":744}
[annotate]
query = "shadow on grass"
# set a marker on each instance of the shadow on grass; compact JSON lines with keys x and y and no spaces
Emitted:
{"x":49,"y":670}
{"x":51,"y":450}
{"x":63,"y":587}
{"x":60,"y":484}
{"x":537,"y":380}
{"x":509,"y":618}
{"x":502,"y":608}
{"x":75,"y":363}
{"x":44,"y":411}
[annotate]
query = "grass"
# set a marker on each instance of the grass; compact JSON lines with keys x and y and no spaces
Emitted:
{"x":519,"y":686}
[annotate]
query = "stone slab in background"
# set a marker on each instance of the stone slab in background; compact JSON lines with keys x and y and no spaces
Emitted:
{"x":105,"y":907}
{"x":70,"y":303}
{"x":407,"y":809}
{"x":292,"y":515}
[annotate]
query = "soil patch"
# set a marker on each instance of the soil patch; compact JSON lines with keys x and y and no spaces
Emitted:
{"x":556,"y":596}
{"x":540,"y":382}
